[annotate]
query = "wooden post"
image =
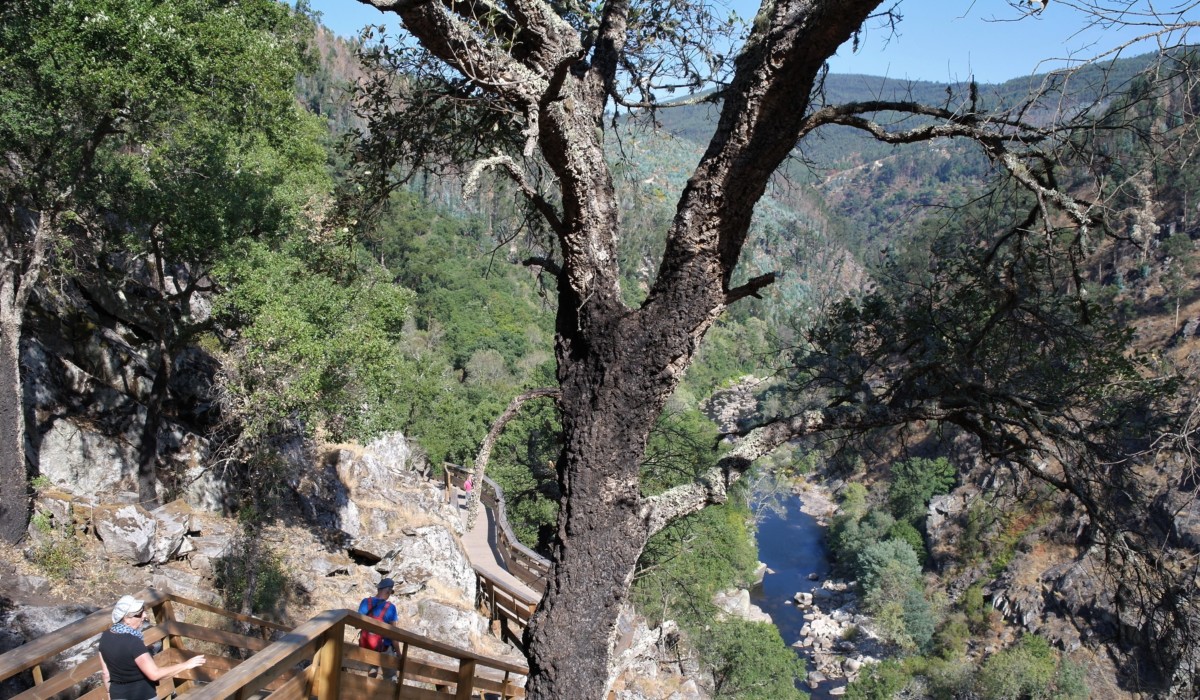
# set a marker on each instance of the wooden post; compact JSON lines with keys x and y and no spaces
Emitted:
{"x":329,"y":664}
{"x":163,"y":612}
{"x":401,"y":675}
{"x":449,"y":490}
{"x":466,"y":675}
{"x":38,"y":678}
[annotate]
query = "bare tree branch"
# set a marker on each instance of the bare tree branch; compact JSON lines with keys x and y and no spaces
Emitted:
{"x":485,"y":449}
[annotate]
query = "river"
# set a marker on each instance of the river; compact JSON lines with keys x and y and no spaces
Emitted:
{"x":792,"y":544}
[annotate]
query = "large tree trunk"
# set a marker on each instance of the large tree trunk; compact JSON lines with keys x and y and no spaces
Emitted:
{"x":25,"y":241}
{"x":602,"y":530}
{"x":148,"y":455}
{"x":617,"y":365}
{"x":14,"y":479}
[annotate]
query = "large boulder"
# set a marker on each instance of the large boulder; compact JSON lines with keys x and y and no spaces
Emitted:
{"x":174,"y":522}
{"x":735,"y":602}
{"x":128,"y":532}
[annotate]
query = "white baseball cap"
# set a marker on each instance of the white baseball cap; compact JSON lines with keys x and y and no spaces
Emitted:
{"x":127,"y":605}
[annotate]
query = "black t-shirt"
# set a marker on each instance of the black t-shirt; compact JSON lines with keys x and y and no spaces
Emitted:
{"x":119,"y":652}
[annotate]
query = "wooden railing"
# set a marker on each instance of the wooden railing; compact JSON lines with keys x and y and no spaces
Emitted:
{"x":508,"y":608}
{"x":170,"y":630}
{"x":334,"y":668}
{"x":314,"y":659}
{"x":521,"y":561}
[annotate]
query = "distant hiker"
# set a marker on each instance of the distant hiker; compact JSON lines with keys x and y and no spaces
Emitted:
{"x":378,"y":607}
{"x":468,"y":485}
{"x":126,"y":666}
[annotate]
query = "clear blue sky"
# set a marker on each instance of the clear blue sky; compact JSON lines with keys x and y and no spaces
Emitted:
{"x":938,"y":40}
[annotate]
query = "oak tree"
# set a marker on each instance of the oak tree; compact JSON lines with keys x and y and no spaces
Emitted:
{"x":151,"y":119}
{"x":529,"y":89}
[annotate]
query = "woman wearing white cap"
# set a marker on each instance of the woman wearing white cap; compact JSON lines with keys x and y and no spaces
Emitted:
{"x":128,"y":668}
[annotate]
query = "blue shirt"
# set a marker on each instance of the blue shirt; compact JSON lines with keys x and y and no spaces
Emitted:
{"x":371,"y":605}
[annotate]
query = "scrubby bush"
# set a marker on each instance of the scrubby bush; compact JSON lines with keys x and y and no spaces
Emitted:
{"x":880,"y":681}
{"x":916,"y":481}
{"x":754,"y":663}
{"x":904,"y":531}
{"x":1029,"y":670}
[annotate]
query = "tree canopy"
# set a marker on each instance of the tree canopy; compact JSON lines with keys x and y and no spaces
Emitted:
{"x":1000,"y":340}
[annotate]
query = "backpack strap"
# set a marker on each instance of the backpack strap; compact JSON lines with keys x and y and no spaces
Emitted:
{"x":382,"y":609}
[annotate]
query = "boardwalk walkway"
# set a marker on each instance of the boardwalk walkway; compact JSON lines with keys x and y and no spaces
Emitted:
{"x":480,"y":543}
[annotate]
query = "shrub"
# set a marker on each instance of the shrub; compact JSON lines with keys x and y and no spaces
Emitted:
{"x":951,"y":639}
{"x":887,"y":563}
{"x":979,"y":614}
{"x":58,"y":556}
{"x":915,"y":481}
{"x":880,"y":681}
{"x":1025,"y":670}
{"x":904,"y":531}
{"x":750,"y":661}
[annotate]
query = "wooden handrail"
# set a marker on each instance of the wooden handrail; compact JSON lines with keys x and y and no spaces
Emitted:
{"x":321,"y":640}
{"x":524,"y":563}
{"x":276,"y":665}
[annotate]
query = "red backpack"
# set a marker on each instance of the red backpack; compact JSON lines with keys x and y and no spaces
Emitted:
{"x":370,"y":640}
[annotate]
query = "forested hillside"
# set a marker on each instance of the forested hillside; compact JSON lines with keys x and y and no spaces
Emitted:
{"x":219,"y":279}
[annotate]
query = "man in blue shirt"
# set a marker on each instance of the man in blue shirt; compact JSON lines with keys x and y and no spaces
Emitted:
{"x":378,"y":607}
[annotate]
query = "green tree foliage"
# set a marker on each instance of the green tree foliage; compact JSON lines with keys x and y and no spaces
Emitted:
{"x":903,"y":531}
{"x":881,"y":681}
{"x":691,"y":560}
{"x":166,"y":126}
{"x":754,"y":663}
{"x":314,"y":348}
{"x":914,"y":482}
{"x":1030,"y":670}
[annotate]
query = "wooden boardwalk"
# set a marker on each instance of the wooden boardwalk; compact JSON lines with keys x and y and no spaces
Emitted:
{"x":480,"y":543}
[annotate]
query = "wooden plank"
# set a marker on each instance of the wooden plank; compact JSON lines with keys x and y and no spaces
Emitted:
{"x":207,"y":634}
{"x":231,"y":615}
{"x":353,"y":652}
{"x":295,"y":689}
{"x":401,"y":635}
{"x":62,"y":681}
{"x":428,"y":672}
{"x":256,"y":672}
{"x":425,"y":671}
{"x":364,"y":688}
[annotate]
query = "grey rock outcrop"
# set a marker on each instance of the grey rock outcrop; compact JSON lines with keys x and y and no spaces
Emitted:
{"x":736,"y":603}
{"x":425,"y":553}
{"x":127,"y":531}
{"x":646,"y":663}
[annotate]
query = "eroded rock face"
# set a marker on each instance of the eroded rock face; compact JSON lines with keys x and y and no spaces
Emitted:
{"x":83,"y":461}
{"x":368,"y":495}
{"x":647,"y":663}
{"x":734,"y":407}
{"x":88,"y":371}
{"x":429,"y":552}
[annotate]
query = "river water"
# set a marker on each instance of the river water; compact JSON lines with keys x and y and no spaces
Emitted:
{"x":792,"y":544}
